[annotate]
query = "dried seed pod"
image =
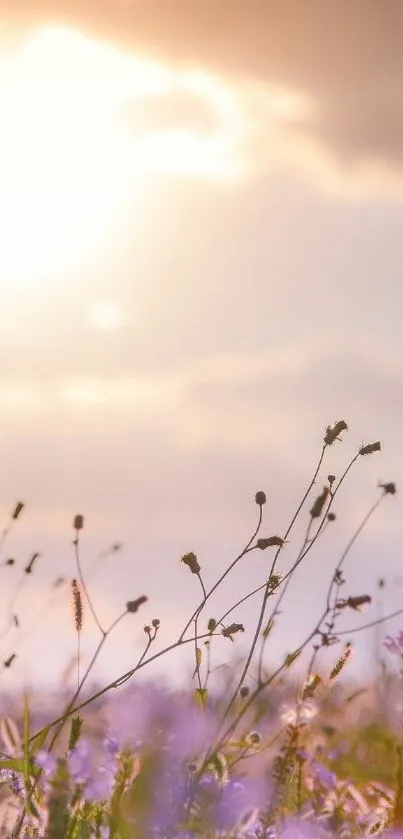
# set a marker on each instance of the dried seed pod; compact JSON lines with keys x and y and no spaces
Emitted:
{"x":270,"y":542}
{"x":133,"y":605}
{"x":389,"y":488}
{"x":18,"y":509}
{"x":317,"y":508}
{"x":190,"y":560}
{"x":333,"y":431}
{"x":78,"y":523}
{"x":370,"y":448}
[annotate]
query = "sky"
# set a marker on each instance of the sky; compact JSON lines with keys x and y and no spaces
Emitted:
{"x":201,"y":207}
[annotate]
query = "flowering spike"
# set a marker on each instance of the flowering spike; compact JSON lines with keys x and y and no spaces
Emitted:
{"x":77,"y":605}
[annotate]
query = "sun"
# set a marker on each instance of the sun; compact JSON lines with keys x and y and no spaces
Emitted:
{"x":69,"y":167}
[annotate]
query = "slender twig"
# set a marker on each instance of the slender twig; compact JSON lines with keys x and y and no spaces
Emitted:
{"x":119,"y":681}
{"x":84,"y":586}
{"x":266,"y":594}
{"x":224,"y":575}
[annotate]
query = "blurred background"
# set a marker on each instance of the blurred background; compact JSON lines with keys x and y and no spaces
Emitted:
{"x":200,"y":269}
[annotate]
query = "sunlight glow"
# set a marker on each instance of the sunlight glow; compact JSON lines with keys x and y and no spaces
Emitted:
{"x":69,"y":167}
{"x":105,"y":316}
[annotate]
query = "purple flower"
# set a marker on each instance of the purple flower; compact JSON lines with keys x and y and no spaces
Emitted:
{"x":93,"y":768}
{"x":47,"y":762}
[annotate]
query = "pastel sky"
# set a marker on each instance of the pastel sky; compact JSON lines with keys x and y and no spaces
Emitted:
{"x":201,"y":208}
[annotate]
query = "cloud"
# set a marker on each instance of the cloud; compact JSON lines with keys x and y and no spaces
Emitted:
{"x":346,"y":58}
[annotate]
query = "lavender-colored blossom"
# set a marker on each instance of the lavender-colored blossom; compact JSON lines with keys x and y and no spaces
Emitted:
{"x":93,"y":768}
{"x":258,"y":831}
{"x":47,"y":762}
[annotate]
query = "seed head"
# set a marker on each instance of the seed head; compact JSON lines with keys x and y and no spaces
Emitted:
{"x":190,"y":560}
{"x":370,"y":448}
{"x":388,"y":488}
{"x":333,"y":431}
{"x":231,"y":630}
{"x":317,"y":508}
{"x":270,"y":542}
{"x":358,"y":601}
{"x":133,"y":605}
{"x":260,"y":498}
{"x":78,"y":523}
{"x":331,"y":479}
{"x":331,"y":516}
{"x":156,"y":623}
{"x":18,"y":509}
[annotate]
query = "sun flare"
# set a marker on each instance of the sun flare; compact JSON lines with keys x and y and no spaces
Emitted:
{"x":69,"y":166}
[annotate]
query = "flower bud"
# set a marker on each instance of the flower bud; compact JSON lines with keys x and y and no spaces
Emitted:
{"x":190,"y":560}
{"x":332,"y":432}
{"x":270,"y":542}
{"x":388,"y":488}
{"x":78,"y":523}
{"x":18,"y":509}
{"x":317,"y":508}
{"x":228,"y":631}
{"x":370,"y":448}
{"x":133,"y":605}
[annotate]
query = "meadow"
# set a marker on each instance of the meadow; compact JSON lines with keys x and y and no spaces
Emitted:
{"x":248,"y":751}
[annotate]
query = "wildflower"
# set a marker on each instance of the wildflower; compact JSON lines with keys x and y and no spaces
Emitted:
{"x":18,"y":509}
{"x":270,"y":542}
{"x":78,"y":523}
{"x":317,"y":508}
{"x":190,"y":560}
{"x":229,"y":631}
{"x":297,"y":715}
{"x":389,"y":488}
{"x":77,"y":605}
{"x":133,"y":605}
{"x":370,"y":448}
{"x":332,"y":432}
